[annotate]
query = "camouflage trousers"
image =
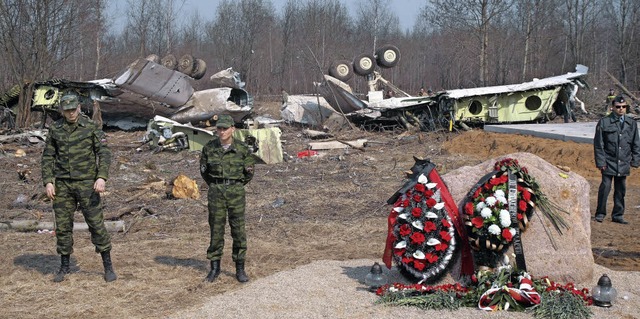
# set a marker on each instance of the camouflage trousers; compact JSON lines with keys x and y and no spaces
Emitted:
{"x":71,"y":195}
{"x":223,"y":201}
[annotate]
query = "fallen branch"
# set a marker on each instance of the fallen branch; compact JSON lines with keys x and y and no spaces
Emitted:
{"x":33,"y":225}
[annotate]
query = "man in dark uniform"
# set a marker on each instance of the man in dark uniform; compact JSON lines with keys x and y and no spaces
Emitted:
{"x":75,"y":167}
{"x":616,"y":146}
{"x":226,"y":165}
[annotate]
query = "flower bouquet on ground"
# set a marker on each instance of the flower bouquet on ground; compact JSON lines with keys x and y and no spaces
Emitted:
{"x":490,"y":225}
{"x":503,"y":289}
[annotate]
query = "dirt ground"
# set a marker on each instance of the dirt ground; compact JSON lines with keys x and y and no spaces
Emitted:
{"x":327,"y":207}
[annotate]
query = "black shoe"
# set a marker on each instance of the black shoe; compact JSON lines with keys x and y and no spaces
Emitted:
{"x":241,"y":276}
{"x":215,"y":271}
{"x":599,"y":218}
{"x":64,"y":268}
{"x":109,"y":274}
{"x":620,"y":221}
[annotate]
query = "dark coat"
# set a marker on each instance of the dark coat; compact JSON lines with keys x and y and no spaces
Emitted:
{"x":615,"y":148}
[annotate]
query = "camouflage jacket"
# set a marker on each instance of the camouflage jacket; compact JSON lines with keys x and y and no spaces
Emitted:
{"x":235,"y":163}
{"x":75,"y":151}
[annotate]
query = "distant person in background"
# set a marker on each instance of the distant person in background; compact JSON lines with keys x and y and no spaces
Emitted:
{"x":75,"y":166}
{"x":609,"y":100}
{"x":422,"y":92}
{"x":430,"y":92}
{"x":285,"y":98}
{"x":390,"y":94}
{"x":616,"y":146}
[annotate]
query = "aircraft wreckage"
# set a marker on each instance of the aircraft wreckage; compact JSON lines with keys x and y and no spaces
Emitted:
{"x":538,"y":101}
{"x":146,"y":88}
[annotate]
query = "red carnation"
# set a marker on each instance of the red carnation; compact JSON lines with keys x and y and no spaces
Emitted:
{"x":506,"y":234}
{"x":431,"y":258}
{"x":418,"y":264}
{"x":494,"y":181}
{"x":429,"y":226}
{"x":400,"y":251}
{"x":522,"y":205}
{"x":428,"y":193}
{"x":520,"y":217}
{"x":431,"y":202}
{"x":446,"y":223}
{"x":405,"y":203}
{"x":405,"y":230}
{"x":477,"y":192}
{"x":503,"y":179}
{"x":441,"y":247}
{"x":526,"y":195}
{"x":419,"y":187}
{"x":407,"y":260}
{"x":417,"y":238}
{"x":468,"y":208}
{"x":417,"y":198}
{"x":416,"y":211}
{"x":477,"y":222}
{"x":445,"y":236}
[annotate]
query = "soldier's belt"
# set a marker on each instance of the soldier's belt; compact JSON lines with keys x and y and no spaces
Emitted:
{"x":222,"y":181}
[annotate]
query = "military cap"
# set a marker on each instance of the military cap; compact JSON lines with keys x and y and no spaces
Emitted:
{"x":69,"y":101}
{"x":619,"y":100}
{"x":224,"y":121}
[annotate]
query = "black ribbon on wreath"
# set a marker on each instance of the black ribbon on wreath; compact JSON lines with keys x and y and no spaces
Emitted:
{"x":513,"y":213}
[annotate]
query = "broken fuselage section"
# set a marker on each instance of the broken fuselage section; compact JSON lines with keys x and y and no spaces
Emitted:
{"x":539,"y":100}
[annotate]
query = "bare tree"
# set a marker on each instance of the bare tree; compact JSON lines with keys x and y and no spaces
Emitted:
{"x":376,"y":20}
{"x":624,"y":17}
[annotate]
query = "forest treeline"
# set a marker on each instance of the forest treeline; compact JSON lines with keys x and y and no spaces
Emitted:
{"x":453,"y":44}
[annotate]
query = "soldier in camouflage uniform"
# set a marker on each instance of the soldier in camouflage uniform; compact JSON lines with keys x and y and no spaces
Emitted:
{"x":226,"y":165}
{"x":75,"y":167}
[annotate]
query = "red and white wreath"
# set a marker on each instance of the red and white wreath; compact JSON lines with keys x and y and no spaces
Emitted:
{"x":424,"y":233}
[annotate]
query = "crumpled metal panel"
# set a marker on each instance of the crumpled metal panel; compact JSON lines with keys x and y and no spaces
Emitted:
{"x":156,"y":82}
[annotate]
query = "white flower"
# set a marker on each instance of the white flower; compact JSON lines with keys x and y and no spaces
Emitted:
{"x":431,"y":215}
{"x":505,"y":222}
{"x":422,"y":179}
{"x":400,"y":245}
{"x":431,"y":185}
{"x":433,"y":242}
{"x":490,"y":201}
{"x":398,"y":209}
{"x":393,"y":289}
{"x":494,"y":229}
{"x":512,"y":231}
{"x":418,"y":255}
{"x":480,"y":206}
{"x":439,"y":206}
{"x":499,"y":193}
{"x":504,"y":214}
{"x":502,"y":199}
{"x":486,"y":213}
{"x":418,"y":224}
{"x":403,"y":216}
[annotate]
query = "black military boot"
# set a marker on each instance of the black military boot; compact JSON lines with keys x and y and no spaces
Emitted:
{"x":240,"y":274}
{"x":109,"y":274}
{"x":64,"y":268}
{"x":215,"y":271}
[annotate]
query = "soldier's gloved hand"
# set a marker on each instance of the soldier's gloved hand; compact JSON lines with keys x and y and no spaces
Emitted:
{"x":602,"y":168}
{"x":51,"y":191}
{"x":98,"y":186}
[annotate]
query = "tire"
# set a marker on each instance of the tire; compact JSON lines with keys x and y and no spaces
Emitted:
{"x":199,"y":70}
{"x":169,"y":61}
{"x":387,"y":56}
{"x":153,"y":58}
{"x":364,"y":64}
{"x":185,"y":64}
{"x":341,"y":70}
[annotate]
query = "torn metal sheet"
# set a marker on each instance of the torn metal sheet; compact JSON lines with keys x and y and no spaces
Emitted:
{"x":307,"y":110}
{"x":156,"y":82}
{"x":203,"y":105}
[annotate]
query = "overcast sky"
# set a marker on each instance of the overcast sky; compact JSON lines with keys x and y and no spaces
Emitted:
{"x":406,"y":10}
